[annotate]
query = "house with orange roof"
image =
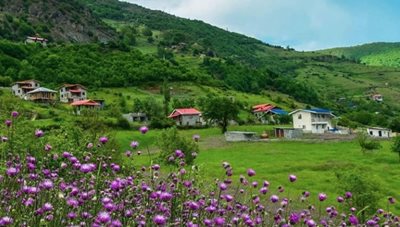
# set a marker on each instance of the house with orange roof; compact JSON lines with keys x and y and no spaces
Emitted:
{"x":84,"y":104}
{"x":187,"y":117}
{"x":266,"y":113}
{"x":20,"y":88}
{"x":70,"y":93}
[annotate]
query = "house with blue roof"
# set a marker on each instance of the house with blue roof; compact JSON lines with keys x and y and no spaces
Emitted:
{"x":315,"y":120}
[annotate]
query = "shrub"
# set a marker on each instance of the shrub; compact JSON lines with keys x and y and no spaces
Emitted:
{"x":169,"y":141}
{"x":366,"y":143}
{"x":396,"y":145}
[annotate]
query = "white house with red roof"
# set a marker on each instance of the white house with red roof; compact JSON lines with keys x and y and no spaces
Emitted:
{"x":84,"y":104}
{"x":187,"y":117}
{"x":72,"y":92}
{"x":20,"y":88}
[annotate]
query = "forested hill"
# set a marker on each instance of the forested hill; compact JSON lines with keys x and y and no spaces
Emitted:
{"x":108,"y":43}
{"x":379,"y":54}
{"x":56,"y":20}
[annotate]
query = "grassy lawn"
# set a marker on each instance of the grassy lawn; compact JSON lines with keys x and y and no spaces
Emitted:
{"x":314,"y":163}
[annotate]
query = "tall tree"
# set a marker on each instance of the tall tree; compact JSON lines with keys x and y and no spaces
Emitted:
{"x":220,"y":110}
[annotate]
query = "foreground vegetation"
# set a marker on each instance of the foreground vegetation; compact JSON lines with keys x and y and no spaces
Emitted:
{"x":63,"y":179}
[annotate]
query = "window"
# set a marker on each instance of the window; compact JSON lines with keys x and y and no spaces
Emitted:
{"x":83,"y":93}
{"x":19,"y":91}
{"x":62,"y":96}
{"x":371,"y":133}
{"x":304,"y":126}
{"x":299,"y":117}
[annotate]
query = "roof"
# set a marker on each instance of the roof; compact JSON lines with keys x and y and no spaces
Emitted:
{"x":263,"y":108}
{"x":36,"y":38}
{"x":279,"y":111}
{"x":379,"y":128}
{"x":314,"y":110}
{"x":75,"y":91}
{"x":41,"y":89}
{"x":73,"y":85}
{"x":86,"y":102}
{"x":25,"y":81}
{"x":184,"y":111}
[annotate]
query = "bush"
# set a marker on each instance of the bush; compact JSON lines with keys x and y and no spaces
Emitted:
{"x":169,"y":141}
{"x":396,"y":145}
{"x":366,"y":143}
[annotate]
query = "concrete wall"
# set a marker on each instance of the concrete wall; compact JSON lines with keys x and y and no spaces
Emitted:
{"x":65,"y":95}
{"x":188,"y":120}
{"x":235,"y":136}
{"x":302,"y":120}
{"x":379,"y":133}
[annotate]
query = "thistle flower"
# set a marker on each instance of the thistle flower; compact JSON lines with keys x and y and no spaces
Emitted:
{"x":322,"y":197}
{"x":14,"y":114}
{"x":353,"y":220}
{"x":103,"y":217}
{"x":179,"y":154}
{"x":47,"y":147}
{"x":134,"y":144}
{"x":340,"y":199}
{"x":12,"y":171}
{"x":8,"y":123}
{"x":294,"y":218}
{"x":4,"y":221}
{"x":39,"y":133}
{"x":103,"y":140}
{"x":196,"y":138}
{"x":159,"y":220}
{"x":47,"y":207}
{"x":219,"y":221}
{"x":391,"y":200}
{"x":89,"y":145}
{"x":292,"y":178}
{"x":348,"y":195}
{"x":223,"y":186}
{"x":251,"y":172}
{"x":274,"y":198}
{"x":143,"y":129}
{"x":128,"y":153}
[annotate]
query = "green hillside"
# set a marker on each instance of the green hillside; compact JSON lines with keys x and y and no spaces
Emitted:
{"x":376,"y":54}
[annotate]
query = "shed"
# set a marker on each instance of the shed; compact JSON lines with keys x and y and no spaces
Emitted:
{"x":379,"y":132}
{"x":288,"y":133}
{"x":237,"y":136}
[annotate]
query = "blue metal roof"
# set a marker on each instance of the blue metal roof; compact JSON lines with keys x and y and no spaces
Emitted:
{"x":279,"y":111}
{"x":320,"y":110}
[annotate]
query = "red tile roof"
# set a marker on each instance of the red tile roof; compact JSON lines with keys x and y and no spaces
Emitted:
{"x":263,"y":108}
{"x":184,"y":111}
{"x":73,"y":85}
{"x":87,"y":102}
{"x":75,"y":91}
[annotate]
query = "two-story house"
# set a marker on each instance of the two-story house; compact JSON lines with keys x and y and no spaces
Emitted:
{"x":20,"y":88}
{"x":72,"y":92}
{"x":313,"y":120}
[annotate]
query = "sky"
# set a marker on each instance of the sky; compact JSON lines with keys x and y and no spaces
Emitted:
{"x":301,"y":24}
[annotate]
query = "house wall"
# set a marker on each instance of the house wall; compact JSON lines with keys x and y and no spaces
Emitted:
{"x":18,"y":91}
{"x":302,"y":120}
{"x":382,"y":134}
{"x":43,"y":96}
{"x":66,"y":96}
{"x":188,"y":120}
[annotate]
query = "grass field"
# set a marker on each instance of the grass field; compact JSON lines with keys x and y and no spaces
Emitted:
{"x":314,"y":163}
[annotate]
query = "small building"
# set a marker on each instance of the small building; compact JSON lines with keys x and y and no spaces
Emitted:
{"x":377,"y":97}
{"x":20,"y":88}
{"x":314,"y":120}
{"x":84,"y":104}
{"x":35,"y":39}
{"x":72,"y":92}
{"x":41,"y":94}
{"x":288,"y":133}
{"x":135,"y":117}
{"x":237,"y":136}
{"x":102,"y":102}
{"x":379,"y":132}
{"x":187,"y":117}
{"x":266,"y":113}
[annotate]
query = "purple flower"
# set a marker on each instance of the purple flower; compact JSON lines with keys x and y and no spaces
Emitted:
{"x":143,"y":129}
{"x":196,"y":138}
{"x":47,"y":147}
{"x":179,"y":154}
{"x":128,"y":154}
{"x":4,"y":221}
{"x":47,"y":184}
{"x":348,"y":195}
{"x":311,"y":223}
{"x":219,"y":221}
{"x":8,"y":123}
{"x":47,"y":207}
{"x":71,"y":215}
{"x":159,"y":220}
{"x":12,"y":171}
{"x":322,"y":197}
{"x":294,"y":218}
{"x":251,"y":172}
{"x":340,"y":199}
{"x":116,"y":223}
{"x":103,"y":217}
{"x":292,"y":178}
{"x":353,"y":220}
{"x":4,"y":139}
{"x":391,"y":200}
{"x":134,"y":144}
{"x":155,"y":167}
{"x":103,"y":140}
{"x":274,"y":198}
{"x":39,"y":133}
{"x":89,"y":145}
{"x":223,"y":186}
{"x":264,"y":190}
{"x":14,"y":114}
{"x":87,"y":168}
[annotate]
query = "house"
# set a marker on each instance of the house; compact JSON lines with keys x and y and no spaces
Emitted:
{"x":84,"y":104}
{"x":377,"y":97}
{"x":41,"y":94}
{"x":20,"y":88}
{"x":266,"y":113}
{"x":379,"y":132}
{"x":138,"y":117}
{"x":35,"y":39}
{"x":288,"y":133}
{"x":187,"y":117}
{"x":314,"y":120}
{"x":72,"y":92}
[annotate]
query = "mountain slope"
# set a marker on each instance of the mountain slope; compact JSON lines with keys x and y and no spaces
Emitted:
{"x":57,"y":20}
{"x":377,"y":54}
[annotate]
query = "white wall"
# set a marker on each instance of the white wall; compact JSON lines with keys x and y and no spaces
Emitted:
{"x":375,"y":133}
{"x":188,"y":120}
{"x":302,"y":120}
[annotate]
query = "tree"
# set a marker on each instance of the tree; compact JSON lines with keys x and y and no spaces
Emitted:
{"x":166,"y":91}
{"x":395,"y":124}
{"x":366,"y":143}
{"x":396,"y":145}
{"x":220,"y":110}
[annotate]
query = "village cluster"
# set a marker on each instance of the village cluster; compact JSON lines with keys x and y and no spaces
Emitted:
{"x":314,"y":120}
